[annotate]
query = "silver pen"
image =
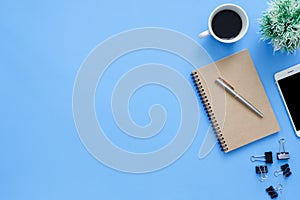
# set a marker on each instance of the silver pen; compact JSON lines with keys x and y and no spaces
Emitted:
{"x":231,"y":90}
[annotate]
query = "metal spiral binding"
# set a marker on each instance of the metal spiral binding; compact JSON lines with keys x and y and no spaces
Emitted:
{"x":209,"y":111}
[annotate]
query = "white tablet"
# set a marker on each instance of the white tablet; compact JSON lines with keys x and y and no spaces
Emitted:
{"x":288,"y":83}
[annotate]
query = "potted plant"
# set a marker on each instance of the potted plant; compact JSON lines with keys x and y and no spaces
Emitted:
{"x":280,"y":25}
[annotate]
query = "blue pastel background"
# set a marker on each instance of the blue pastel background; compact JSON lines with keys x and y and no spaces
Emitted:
{"x":43,"y":44}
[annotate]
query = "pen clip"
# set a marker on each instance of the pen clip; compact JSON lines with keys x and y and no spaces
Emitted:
{"x":225,"y":82}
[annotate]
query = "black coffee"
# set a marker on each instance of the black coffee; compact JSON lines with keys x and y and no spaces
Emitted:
{"x":226,"y":24}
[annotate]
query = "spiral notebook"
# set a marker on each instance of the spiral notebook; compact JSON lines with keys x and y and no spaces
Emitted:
{"x":235,"y":124}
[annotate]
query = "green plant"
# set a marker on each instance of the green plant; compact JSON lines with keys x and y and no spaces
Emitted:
{"x":280,"y":24}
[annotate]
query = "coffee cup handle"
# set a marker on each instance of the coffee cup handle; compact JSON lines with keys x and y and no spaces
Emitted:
{"x":204,"y":34}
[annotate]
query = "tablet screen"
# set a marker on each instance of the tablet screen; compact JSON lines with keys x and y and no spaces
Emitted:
{"x":290,"y":87}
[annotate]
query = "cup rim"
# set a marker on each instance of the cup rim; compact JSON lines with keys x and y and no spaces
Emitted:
{"x":240,"y":35}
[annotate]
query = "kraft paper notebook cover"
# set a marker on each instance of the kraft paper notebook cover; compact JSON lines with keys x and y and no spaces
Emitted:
{"x":234,"y":124}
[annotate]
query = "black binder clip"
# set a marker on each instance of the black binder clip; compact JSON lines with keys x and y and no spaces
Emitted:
{"x":262,"y":170}
{"x":285,"y":171}
{"x":282,"y":154}
{"x":273,"y":192}
{"x":268,"y":157}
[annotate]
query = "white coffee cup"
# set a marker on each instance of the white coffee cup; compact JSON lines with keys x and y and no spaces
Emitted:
{"x":227,"y":7}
